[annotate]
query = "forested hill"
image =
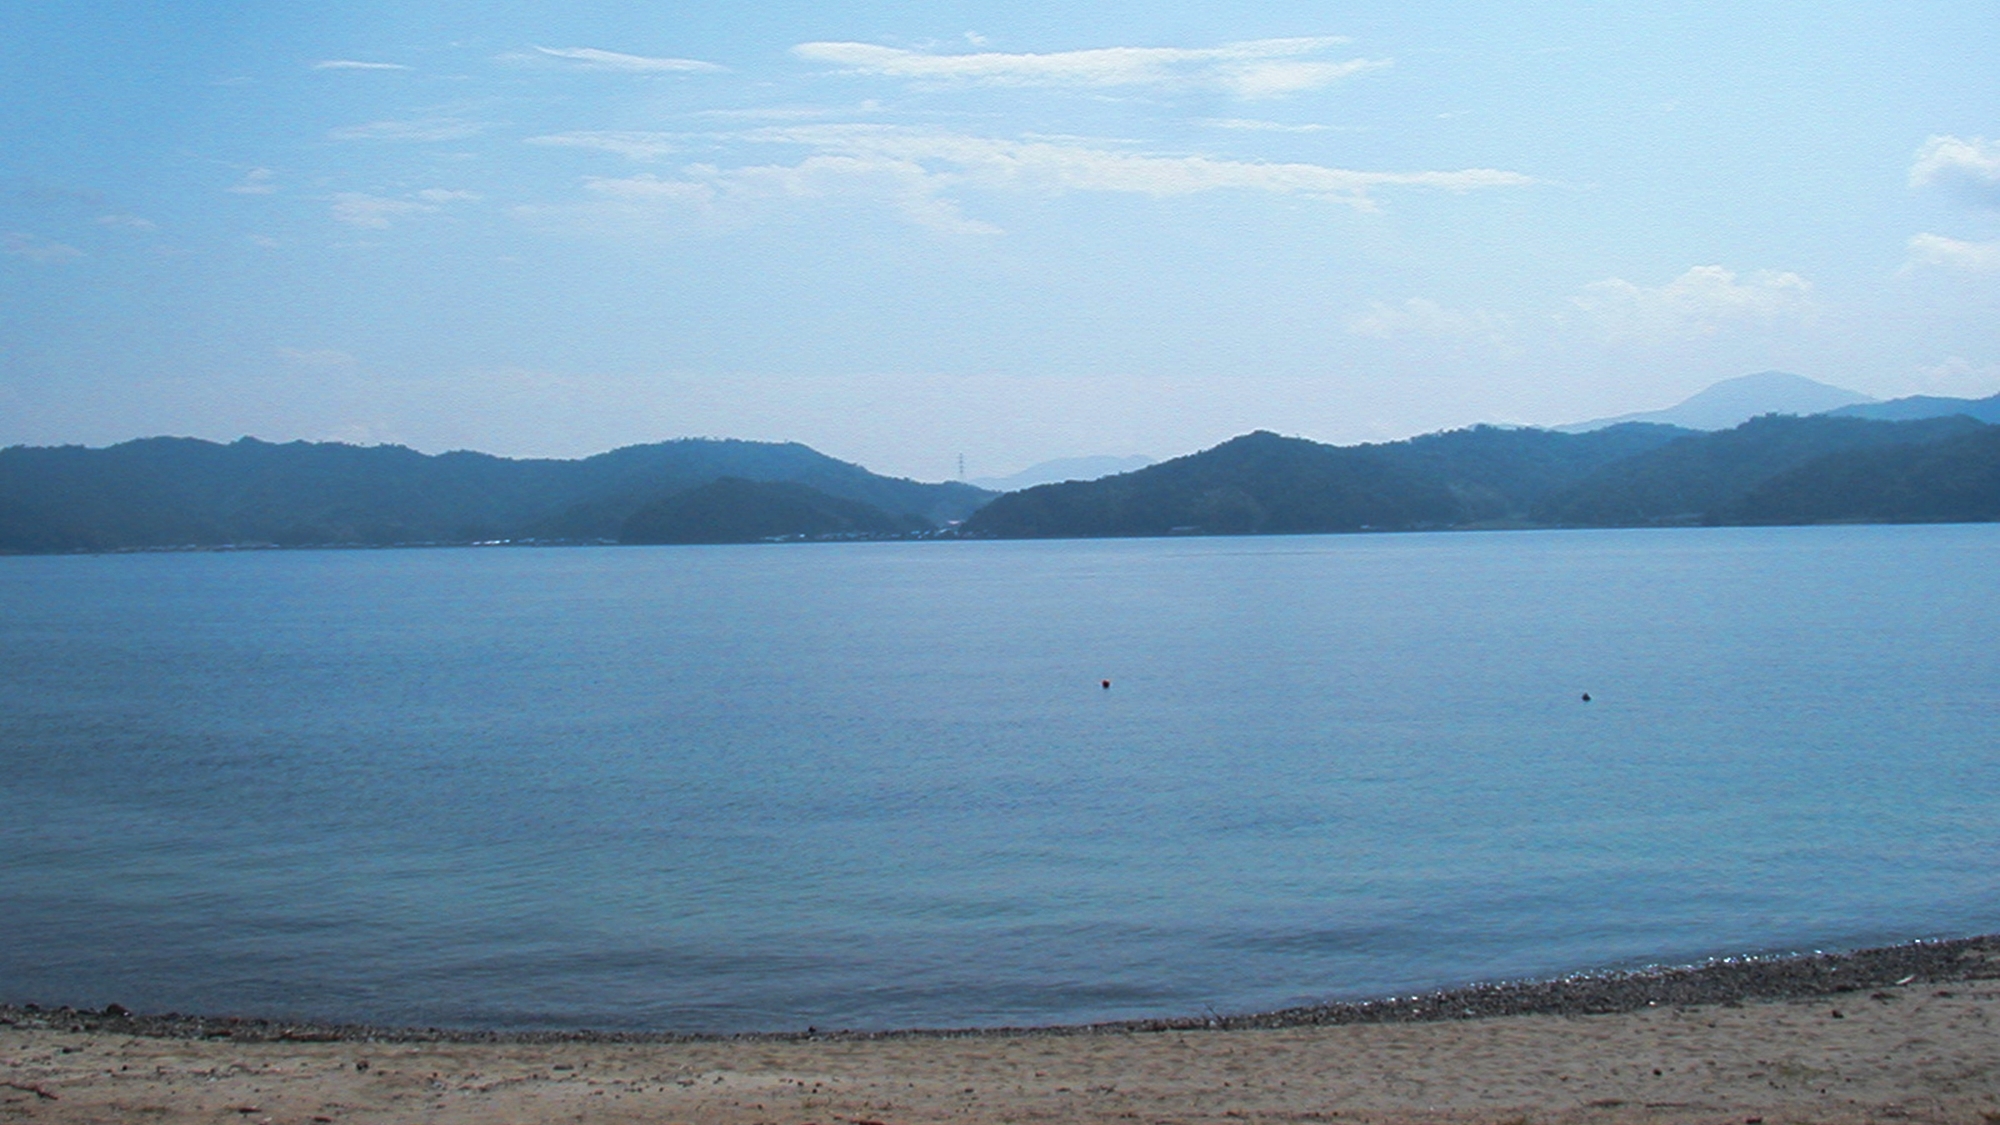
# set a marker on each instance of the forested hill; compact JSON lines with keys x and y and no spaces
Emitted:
{"x":173,"y":492}
{"x":1264,"y":483}
{"x":1775,"y":469}
{"x":734,"y":510}
{"x":1723,"y":477}
{"x":163,"y":492}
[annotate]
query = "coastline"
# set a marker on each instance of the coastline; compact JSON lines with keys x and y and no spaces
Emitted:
{"x":1719,"y":981}
{"x":1819,"y":1038}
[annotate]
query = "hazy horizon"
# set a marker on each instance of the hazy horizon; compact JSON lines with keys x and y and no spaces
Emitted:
{"x":902,"y":234}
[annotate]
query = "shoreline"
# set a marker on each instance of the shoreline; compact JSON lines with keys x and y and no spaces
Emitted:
{"x":1728,"y":981}
{"x":1825,"y":1039}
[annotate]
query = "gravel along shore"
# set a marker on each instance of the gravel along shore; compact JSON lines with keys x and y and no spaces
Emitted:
{"x":1904,"y":1033}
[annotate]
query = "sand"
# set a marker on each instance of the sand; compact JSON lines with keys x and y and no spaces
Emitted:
{"x":1917,"y":1051}
{"x":1911,"y":1053}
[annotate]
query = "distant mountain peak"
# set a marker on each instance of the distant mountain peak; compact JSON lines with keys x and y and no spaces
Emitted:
{"x":1732,"y":402}
{"x":1062,"y":469}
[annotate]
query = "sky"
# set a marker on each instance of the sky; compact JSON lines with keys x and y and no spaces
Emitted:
{"x":906,"y":234}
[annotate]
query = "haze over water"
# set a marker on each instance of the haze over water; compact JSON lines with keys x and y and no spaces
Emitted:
{"x":879,"y":785}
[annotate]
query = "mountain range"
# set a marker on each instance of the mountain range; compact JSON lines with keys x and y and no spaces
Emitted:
{"x":1913,"y":459}
{"x":1732,"y":402}
{"x":162,"y":492}
{"x":1771,"y":470}
{"x":1062,"y":469}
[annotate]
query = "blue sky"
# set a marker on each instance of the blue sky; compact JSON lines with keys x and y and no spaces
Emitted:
{"x":905,"y":232}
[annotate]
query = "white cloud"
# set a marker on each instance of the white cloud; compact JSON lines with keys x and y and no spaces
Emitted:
{"x":377,"y":212}
{"x":126,"y":222}
{"x":257,"y":181}
{"x":321,"y":359}
{"x":1967,"y":168}
{"x":732,"y":196}
{"x":614,"y":60}
{"x":1276,"y":79}
{"x":1260,"y":68}
{"x":374,"y":212}
{"x":1959,"y":376}
{"x":649,"y":189}
{"x":1250,"y":125}
{"x":37,"y":249}
{"x":789,"y":113}
{"x":1701,"y":302}
{"x":1421,"y":316}
{"x":425,"y":129}
{"x":632,"y":145}
{"x":916,"y":170}
{"x":353,"y":64}
{"x":1952,"y":253}
{"x":1066,"y":165}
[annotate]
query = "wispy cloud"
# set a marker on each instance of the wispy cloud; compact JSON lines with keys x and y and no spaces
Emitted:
{"x":1062,"y":165}
{"x":923,"y":173}
{"x":126,"y":222}
{"x":1260,"y":68}
{"x":257,"y":181}
{"x":731,"y":197}
{"x":37,"y":249}
{"x":1701,"y":302}
{"x":356,"y":64}
{"x":789,"y":113}
{"x":919,"y":171}
{"x":1957,"y":375}
{"x":1951,"y":253}
{"x":375,"y":212}
{"x":1246,"y":124}
{"x":615,"y":60}
{"x":1423,"y":317}
{"x":421,"y":130}
{"x":1969,"y":169}
{"x":378,"y":212}
{"x":322,"y":359}
{"x":632,"y":145}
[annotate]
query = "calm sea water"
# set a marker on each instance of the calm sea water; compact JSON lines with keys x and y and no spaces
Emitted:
{"x":879,"y":785}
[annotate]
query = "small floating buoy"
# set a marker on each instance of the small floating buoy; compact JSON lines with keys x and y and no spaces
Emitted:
{"x":1586,"y":697}
{"x":1107,"y":685}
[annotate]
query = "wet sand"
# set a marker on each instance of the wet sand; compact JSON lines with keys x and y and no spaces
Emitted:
{"x":1818,"y":1039}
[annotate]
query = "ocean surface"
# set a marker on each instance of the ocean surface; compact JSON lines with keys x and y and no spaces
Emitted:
{"x":879,"y":785}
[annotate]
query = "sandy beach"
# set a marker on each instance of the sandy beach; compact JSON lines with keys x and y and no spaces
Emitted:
{"x":1841,"y":1047}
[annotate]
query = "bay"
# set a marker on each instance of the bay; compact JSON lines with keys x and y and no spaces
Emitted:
{"x":880,"y":784}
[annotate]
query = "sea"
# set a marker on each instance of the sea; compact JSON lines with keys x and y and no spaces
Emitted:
{"x":978,"y":784}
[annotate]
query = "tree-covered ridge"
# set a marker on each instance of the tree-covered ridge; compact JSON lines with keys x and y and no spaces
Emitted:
{"x":1702,"y":479}
{"x":170,"y":492}
{"x":1264,"y":483}
{"x":1924,"y":406}
{"x":1255,"y":484}
{"x":734,"y":510}
{"x":1956,"y":479}
{"x":164,"y":492}
{"x":1775,"y":469}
